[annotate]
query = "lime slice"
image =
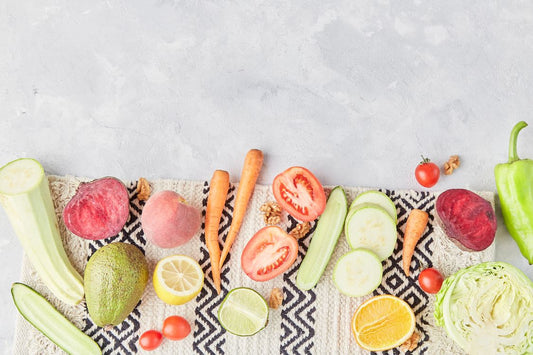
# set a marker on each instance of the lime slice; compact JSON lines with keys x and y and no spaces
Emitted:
{"x":178,"y":279}
{"x":243,"y":312}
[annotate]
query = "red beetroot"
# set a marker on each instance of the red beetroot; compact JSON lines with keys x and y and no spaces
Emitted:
{"x":468,"y":219}
{"x":98,"y":210}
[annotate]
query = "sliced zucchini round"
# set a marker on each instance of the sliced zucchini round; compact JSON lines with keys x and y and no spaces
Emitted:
{"x":358,"y":273}
{"x":378,"y":198}
{"x":371,"y":227}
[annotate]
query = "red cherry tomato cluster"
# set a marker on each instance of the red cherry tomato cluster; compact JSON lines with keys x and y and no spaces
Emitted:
{"x":174,"y":328}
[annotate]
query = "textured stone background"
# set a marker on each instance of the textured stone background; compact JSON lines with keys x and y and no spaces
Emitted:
{"x":353,"y":90}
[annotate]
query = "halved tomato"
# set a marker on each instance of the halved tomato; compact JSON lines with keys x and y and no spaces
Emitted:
{"x":299,"y":193}
{"x":270,"y":252}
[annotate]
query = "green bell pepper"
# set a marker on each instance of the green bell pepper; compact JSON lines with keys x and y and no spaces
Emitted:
{"x":514,"y":181}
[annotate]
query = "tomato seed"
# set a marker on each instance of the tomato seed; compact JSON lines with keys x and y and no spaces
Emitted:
{"x":277,"y":263}
{"x":301,"y":180}
{"x":287,"y":196}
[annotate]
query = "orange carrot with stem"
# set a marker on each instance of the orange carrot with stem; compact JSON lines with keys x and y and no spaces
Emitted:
{"x":250,"y":171}
{"x":414,"y":228}
{"x":218,"y":190}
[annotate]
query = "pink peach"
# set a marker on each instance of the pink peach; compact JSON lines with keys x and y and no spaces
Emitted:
{"x":168,"y":221}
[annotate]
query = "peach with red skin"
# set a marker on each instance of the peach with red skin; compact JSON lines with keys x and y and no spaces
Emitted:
{"x":168,"y":221}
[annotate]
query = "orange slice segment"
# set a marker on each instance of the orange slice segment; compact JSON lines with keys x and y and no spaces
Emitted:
{"x":382,"y":323}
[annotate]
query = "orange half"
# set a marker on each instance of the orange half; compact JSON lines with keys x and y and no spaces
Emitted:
{"x":382,"y":323}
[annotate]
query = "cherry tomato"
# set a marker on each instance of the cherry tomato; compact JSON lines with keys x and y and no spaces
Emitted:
{"x":150,"y":340}
{"x":427,"y":173}
{"x":299,"y":193}
{"x":430,"y":280}
{"x":176,"y":328}
{"x":270,"y":252}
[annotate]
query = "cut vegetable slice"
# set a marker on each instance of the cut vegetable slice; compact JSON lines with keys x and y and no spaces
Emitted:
{"x":378,"y":198}
{"x":358,"y":273}
{"x":45,"y":318}
{"x":323,"y":241}
{"x":25,"y":196}
{"x":371,"y":227}
{"x":382,"y":323}
{"x":269,"y":253}
{"x":178,"y":279}
{"x":243,"y":312}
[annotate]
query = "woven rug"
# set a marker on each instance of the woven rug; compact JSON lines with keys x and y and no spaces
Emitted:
{"x":308,"y":322}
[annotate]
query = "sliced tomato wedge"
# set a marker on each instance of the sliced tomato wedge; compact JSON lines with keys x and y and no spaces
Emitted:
{"x":270,"y":252}
{"x":299,"y":193}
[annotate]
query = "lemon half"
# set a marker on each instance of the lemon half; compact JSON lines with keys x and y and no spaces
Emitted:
{"x":178,"y":279}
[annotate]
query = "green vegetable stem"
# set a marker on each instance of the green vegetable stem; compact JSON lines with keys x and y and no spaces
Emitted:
{"x":514,"y":181}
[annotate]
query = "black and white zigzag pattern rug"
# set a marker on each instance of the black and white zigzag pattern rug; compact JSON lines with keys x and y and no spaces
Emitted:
{"x":308,"y":322}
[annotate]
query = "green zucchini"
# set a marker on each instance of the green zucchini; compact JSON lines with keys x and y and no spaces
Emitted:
{"x":45,"y":318}
{"x":358,"y":273}
{"x":25,"y":196}
{"x":323,"y":241}
{"x":371,"y":227}
{"x":379,"y":198}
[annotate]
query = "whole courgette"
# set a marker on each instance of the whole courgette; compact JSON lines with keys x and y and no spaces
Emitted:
{"x":46,"y":319}
{"x":25,"y":196}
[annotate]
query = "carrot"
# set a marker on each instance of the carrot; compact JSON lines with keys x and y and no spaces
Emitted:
{"x":250,"y":171}
{"x":414,"y":228}
{"x":218,"y":190}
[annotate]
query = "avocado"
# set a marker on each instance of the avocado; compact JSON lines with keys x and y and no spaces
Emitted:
{"x":115,"y":278}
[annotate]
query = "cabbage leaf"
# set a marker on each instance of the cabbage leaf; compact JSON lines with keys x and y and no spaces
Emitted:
{"x":488,"y":309}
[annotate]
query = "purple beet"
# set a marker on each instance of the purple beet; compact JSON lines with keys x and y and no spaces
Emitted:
{"x":468,"y":219}
{"x":98,"y":210}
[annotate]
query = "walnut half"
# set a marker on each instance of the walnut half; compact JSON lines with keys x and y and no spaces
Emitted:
{"x":271,"y":213}
{"x":143,"y":189}
{"x":276,"y":298}
{"x":452,"y":164}
{"x":300,"y":230}
{"x":411,"y":343}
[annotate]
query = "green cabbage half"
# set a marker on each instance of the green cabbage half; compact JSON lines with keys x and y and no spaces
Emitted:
{"x":488,"y":309}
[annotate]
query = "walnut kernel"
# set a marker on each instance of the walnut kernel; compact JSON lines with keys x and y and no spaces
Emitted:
{"x":452,"y":164}
{"x":300,"y":230}
{"x":271,"y":213}
{"x":276,"y":298}
{"x":411,"y":343}
{"x":143,"y":189}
